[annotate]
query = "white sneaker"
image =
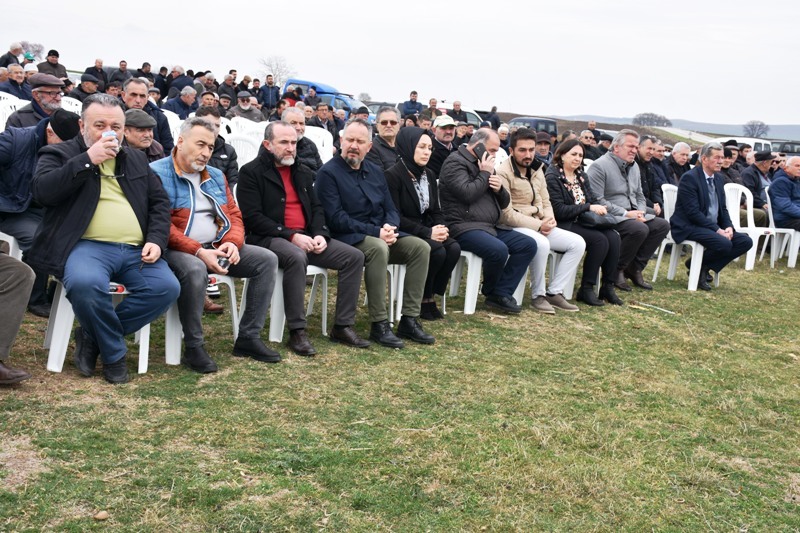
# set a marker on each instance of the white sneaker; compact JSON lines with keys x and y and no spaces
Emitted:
{"x":542,"y":305}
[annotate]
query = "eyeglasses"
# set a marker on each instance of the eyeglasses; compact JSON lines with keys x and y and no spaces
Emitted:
{"x":387,"y":122}
{"x":51,"y":93}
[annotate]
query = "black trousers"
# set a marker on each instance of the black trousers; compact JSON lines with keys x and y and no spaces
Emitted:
{"x":639,"y":241}
{"x":602,"y":249}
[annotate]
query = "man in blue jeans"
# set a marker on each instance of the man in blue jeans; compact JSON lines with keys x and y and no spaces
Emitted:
{"x":107,"y":219}
{"x":472,"y":198}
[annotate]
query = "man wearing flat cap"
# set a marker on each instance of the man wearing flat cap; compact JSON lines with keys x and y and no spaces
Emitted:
{"x":51,"y":65}
{"x":755,"y":178}
{"x":20,"y":215}
{"x":139,"y":134}
{"x":46,"y":93}
{"x":87,"y":86}
{"x":245,"y":109}
{"x":543,"y":152}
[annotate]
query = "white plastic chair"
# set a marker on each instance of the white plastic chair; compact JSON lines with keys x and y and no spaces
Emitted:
{"x":71,"y":104}
{"x":174,"y":123}
{"x":246,"y":148}
{"x":8,"y":97}
{"x":782,"y":237}
{"x":499,"y":158}
{"x":733,"y":195}
{"x":324,"y":141}
{"x":13,"y":245}
{"x":670,"y":193}
{"x":474,"y":266}
{"x":59,"y":328}
{"x":7,"y":108}
{"x":173,"y":331}
{"x":277,"y":311}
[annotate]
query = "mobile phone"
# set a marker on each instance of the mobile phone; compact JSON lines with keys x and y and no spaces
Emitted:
{"x":479,"y":150}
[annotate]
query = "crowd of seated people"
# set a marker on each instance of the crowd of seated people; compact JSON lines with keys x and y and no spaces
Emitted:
{"x":111,"y":196}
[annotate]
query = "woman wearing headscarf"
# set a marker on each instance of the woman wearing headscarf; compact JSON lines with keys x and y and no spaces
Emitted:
{"x":416,"y":197}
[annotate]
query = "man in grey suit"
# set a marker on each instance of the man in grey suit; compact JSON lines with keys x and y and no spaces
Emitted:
{"x":615,"y":180}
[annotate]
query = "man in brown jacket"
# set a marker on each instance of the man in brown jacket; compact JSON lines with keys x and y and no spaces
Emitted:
{"x":530,"y":213}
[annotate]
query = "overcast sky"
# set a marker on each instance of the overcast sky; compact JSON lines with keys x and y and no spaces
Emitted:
{"x":724,"y":62}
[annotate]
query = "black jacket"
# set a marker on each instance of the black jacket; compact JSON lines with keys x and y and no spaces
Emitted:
{"x":26,"y":116}
{"x":675,"y":171}
{"x":224,"y":158}
{"x":406,"y":200}
{"x":460,"y":115}
{"x":68,"y":185}
{"x":565,"y":210}
{"x":440,"y":153}
{"x":79,"y":94}
{"x":751,"y":178}
{"x":262,"y":200}
{"x":382,"y":154}
{"x":650,"y":189}
{"x":467,"y":201}
{"x":329,"y":125}
{"x":308,"y":154}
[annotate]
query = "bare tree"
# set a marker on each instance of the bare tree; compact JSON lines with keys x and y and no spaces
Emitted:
{"x":37,"y":49}
{"x":280,"y":69}
{"x":651,"y":119}
{"x":756,"y":129}
{"x":364,"y":97}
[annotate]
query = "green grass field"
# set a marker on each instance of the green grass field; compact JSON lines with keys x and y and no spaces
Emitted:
{"x":608,"y":419}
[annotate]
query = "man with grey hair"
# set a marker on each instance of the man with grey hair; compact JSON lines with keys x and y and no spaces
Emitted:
{"x":245,"y":108}
{"x":616,"y":183}
{"x":46,"y":99}
{"x":282,"y":213}
{"x":227,"y":87}
{"x":207,"y":236}
{"x":11,"y":57}
{"x":307,"y":151}
{"x":677,"y":164}
{"x":16,"y":84}
{"x":701,"y":215}
{"x":589,"y":143}
{"x":784,"y":194}
{"x":179,"y":81}
{"x":360,"y":212}
{"x":185,"y":104}
{"x":106,"y":219}
{"x":383,"y":152}
{"x":458,"y":114}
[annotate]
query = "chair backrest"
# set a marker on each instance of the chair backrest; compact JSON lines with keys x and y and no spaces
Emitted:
{"x":733,"y":197}
{"x":769,"y":209}
{"x":670,"y":193}
{"x":71,"y":104}
{"x":499,"y":158}
{"x":7,"y":108}
{"x":324,"y":141}
{"x":8,"y":97}
{"x":174,"y":123}
{"x":246,"y":148}
{"x":225,"y":126}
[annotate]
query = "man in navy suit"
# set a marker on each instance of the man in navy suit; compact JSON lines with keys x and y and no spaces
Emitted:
{"x":701,"y":214}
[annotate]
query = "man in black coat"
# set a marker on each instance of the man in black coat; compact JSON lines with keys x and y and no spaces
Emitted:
{"x":135,"y":96}
{"x":46,"y":94}
{"x":97,"y":71}
{"x":444,"y":132}
{"x":650,"y":188}
{"x":324,"y":119}
{"x":383,"y":152}
{"x":107,"y":219}
{"x":677,"y":164}
{"x":458,"y":114}
{"x":224,"y":155}
{"x":307,"y":152}
{"x":281,"y":213}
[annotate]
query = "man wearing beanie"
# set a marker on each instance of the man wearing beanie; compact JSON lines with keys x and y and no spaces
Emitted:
{"x":20,"y":215}
{"x":51,"y":65}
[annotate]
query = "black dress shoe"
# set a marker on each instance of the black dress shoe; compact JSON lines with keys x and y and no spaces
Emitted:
{"x":621,"y":283}
{"x":116,"y":372}
{"x":381,"y":332}
{"x":347,"y":335}
{"x":638,"y":279}
{"x":197,"y":359}
{"x":608,"y":294}
{"x":410,"y":328}
{"x":586,"y":295}
{"x":299,"y":343}
{"x":42,"y":310}
{"x":702,"y":283}
{"x":9,"y":376}
{"x":256,"y":349}
{"x":86,"y":352}
{"x":505,"y":304}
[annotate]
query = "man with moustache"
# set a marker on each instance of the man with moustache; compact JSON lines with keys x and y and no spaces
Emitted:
{"x":139,"y":134}
{"x":46,"y":98}
{"x":444,"y":132}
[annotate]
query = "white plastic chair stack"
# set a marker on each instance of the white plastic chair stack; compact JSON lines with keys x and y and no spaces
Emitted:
{"x":246,"y":148}
{"x":71,"y":104}
{"x":324,"y":141}
{"x":782,"y":237}
{"x":733,"y":194}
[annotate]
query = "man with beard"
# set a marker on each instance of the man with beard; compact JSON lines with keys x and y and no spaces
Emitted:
{"x":360,"y":212}
{"x":106,"y":219}
{"x":282,"y":213}
{"x":139,"y":134}
{"x":134,"y":95}
{"x":650,"y":188}
{"x":245,"y":109}
{"x":307,"y":152}
{"x":207,"y":236}
{"x":678,"y":163}
{"x":46,"y":98}
{"x":270,"y":94}
{"x":444,"y":131}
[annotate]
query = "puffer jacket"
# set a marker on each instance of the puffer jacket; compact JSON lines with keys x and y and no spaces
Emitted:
{"x":181,"y":201}
{"x":530,"y":201}
{"x":224,"y":158}
{"x":18,"y":148}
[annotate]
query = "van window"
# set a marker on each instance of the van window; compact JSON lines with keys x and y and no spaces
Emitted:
{"x":339,"y":103}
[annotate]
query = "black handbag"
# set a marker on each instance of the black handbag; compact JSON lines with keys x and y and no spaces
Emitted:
{"x":588,"y":219}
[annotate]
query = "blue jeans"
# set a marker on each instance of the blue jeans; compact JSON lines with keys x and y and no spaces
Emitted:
{"x":90,"y":267}
{"x":505,"y":258}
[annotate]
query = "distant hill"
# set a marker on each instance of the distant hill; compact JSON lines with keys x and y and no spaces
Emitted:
{"x":776,"y":131}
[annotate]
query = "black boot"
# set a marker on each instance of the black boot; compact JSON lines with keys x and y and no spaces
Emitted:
{"x":586,"y":295}
{"x":608,"y":294}
{"x":410,"y":328}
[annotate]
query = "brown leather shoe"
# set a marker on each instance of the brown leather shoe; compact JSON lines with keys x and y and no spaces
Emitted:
{"x":9,"y":376}
{"x":638,"y":280}
{"x":299,"y":343}
{"x":621,"y":283}
{"x":210,"y":308}
{"x":347,"y":335}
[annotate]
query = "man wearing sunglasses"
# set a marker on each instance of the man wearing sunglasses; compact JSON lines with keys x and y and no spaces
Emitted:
{"x":383,"y":152}
{"x":46,"y":93}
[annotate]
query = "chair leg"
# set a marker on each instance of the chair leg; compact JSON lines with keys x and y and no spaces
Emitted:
{"x":674,"y":257}
{"x":173,"y":333}
{"x":661,"y":250}
{"x":144,"y":348}
{"x":519,"y":292}
{"x":399,"y":286}
{"x":474,"y":266}
{"x":793,"y":245}
{"x":695,"y":266}
{"x":277,"y":312}
{"x":59,"y":328}
{"x":455,"y":277}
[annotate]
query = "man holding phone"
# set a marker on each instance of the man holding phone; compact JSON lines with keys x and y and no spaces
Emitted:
{"x":473,"y":198}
